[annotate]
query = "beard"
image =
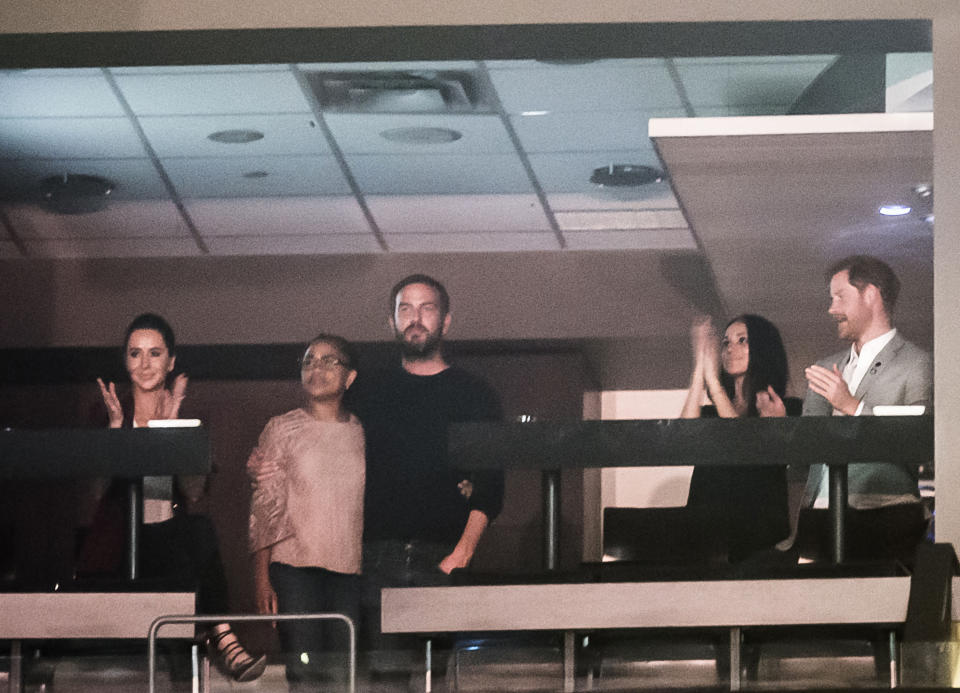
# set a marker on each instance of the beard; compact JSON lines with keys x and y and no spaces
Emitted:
{"x":422,"y":348}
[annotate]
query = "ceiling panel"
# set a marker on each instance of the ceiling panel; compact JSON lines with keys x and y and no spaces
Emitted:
{"x":398,"y":66}
{"x":470,"y":242}
{"x":191,"y":69}
{"x":454,"y":213}
{"x":119,"y":220}
{"x":439,"y":174}
{"x":331,"y":244}
{"x":244,"y":176}
{"x":587,"y":130}
{"x":69,"y":138}
{"x":653,"y":196}
{"x":649,"y":239}
{"x":48,"y":95}
{"x":113,"y":247}
{"x":620,"y":219}
{"x":189,"y":135}
{"x":292,"y":216}
{"x":215,"y":92}
{"x":593,"y":87}
{"x":133,"y":179}
{"x":359,"y":133}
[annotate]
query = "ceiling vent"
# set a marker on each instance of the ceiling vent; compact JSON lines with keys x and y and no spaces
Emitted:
{"x":76,"y":193}
{"x":422,"y":91}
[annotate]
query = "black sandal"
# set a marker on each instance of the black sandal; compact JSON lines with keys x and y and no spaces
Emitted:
{"x":232,"y":659}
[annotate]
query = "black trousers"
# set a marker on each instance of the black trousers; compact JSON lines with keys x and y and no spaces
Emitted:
{"x":891,"y":532}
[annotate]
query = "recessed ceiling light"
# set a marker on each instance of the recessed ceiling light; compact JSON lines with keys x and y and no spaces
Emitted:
{"x":894,"y":210}
{"x":255,"y":174}
{"x":534,"y":113}
{"x":421,"y":135}
{"x":76,"y":193}
{"x":625,"y":175}
{"x":235,"y":136}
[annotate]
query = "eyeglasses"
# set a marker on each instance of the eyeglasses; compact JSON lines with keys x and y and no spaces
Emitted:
{"x":326,"y":363}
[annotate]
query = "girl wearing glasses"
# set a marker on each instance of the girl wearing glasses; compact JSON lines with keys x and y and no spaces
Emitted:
{"x":306,"y":515}
{"x":744,"y":374}
{"x":178,"y":540}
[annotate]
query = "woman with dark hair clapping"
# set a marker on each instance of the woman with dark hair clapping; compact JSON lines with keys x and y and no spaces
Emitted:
{"x":178,"y":542}
{"x":743,"y":374}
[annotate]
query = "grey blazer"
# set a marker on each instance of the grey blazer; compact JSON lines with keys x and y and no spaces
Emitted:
{"x":902,"y":373}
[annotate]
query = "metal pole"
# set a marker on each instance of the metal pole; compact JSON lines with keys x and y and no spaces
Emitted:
{"x":248,"y":618}
{"x":735,"y":651}
{"x":551,"y":519}
{"x":134,"y":521}
{"x":838,"y":506}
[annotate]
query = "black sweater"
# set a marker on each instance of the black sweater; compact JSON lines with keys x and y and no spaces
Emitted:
{"x":411,"y":491}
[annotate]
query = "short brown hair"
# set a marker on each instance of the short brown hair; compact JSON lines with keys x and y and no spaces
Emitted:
{"x":442,"y":295}
{"x":866,"y":269}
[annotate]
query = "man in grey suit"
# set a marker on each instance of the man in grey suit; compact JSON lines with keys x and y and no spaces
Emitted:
{"x":880,"y":368}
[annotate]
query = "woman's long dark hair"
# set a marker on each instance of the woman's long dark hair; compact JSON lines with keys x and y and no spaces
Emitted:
{"x":767,"y":365}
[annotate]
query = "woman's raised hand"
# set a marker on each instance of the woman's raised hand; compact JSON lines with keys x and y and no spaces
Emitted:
{"x":168,"y":404}
{"x":769,"y":403}
{"x":706,"y":348}
{"x":109,"y":394}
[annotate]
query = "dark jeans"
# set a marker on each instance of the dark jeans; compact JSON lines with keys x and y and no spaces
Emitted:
{"x":396,"y":564}
{"x":315,"y":590}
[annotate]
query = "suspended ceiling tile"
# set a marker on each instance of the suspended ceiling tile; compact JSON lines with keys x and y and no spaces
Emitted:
{"x":593,"y":87}
{"x":455,"y":213}
{"x":745,"y":83}
{"x":132,"y":178}
{"x":113,"y":247}
{"x":278,"y":216}
{"x":243,"y":176}
{"x":312,"y":244}
{"x":439,"y":174}
{"x":399,"y":66}
{"x":68,"y":138}
{"x":225,"y":92}
{"x":586,"y":130}
{"x":648,"y":239}
{"x":571,"y":171}
{"x":189,"y":69}
{"x":189,"y":135}
{"x":634,"y":219}
{"x":55,"y":72}
{"x":118,"y":221}
{"x":360,"y":133}
{"x":594,"y":64}
{"x":27,"y":94}
{"x":655,"y":196}
{"x":470,"y":242}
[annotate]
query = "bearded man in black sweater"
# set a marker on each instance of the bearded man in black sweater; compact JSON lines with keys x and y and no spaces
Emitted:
{"x":422,"y":519}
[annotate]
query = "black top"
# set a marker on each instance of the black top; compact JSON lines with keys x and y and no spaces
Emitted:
{"x":411,"y":491}
{"x":747,"y":505}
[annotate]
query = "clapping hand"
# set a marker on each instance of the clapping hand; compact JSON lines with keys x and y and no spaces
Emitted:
{"x":770,"y":404}
{"x":829,"y":384}
{"x":112,"y":402}
{"x":168,"y":404}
